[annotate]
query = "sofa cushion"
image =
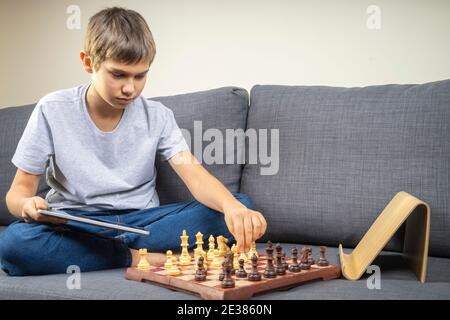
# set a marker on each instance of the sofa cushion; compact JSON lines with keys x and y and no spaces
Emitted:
{"x":12,"y":123}
{"x":343,"y":155}
{"x":217,"y":109}
{"x":397,"y":282}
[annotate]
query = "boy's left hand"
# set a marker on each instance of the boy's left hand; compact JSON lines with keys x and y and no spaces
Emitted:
{"x":246,"y":225}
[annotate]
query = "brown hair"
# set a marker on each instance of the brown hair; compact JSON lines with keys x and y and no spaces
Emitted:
{"x":119,"y":34}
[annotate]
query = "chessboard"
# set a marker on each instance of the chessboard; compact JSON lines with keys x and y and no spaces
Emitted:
{"x":243,"y":289}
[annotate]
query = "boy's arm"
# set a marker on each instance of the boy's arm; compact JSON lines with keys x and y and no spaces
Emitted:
{"x":245,"y":224}
{"x":22,"y":202}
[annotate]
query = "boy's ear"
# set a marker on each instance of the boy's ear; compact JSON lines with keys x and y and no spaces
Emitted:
{"x":87,"y":62}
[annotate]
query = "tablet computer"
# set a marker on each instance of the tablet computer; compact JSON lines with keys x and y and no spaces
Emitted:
{"x":93,"y":221}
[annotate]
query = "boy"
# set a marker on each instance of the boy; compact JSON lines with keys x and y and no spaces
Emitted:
{"x":101,"y":140}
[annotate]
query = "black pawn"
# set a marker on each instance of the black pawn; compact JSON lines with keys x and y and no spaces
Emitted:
{"x":228,"y":281}
{"x":254,"y":275}
{"x":294,"y":267}
{"x":270,"y":272}
{"x":323,"y":262}
{"x":280,"y":268}
{"x":200,"y":274}
{"x":241,"y":273}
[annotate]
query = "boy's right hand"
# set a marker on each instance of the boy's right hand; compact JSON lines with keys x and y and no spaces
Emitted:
{"x":30,"y":212}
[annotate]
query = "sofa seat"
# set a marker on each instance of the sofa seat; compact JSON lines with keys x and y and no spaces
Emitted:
{"x":397,"y":282}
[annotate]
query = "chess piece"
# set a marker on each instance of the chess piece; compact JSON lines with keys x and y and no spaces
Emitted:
{"x":174,"y":271}
{"x":304,"y":259}
{"x":185,"y":258}
{"x":254,"y":275}
{"x":310,"y":257}
{"x":294,"y":267}
{"x":200,"y":274}
{"x":222,"y":273}
{"x":222,"y":245}
{"x":280,"y":268}
{"x":269,"y":244}
{"x":283,"y":261}
{"x":241,"y":273}
{"x":234,"y":250}
{"x":199,"y":250}
{"x":212,"y":247}
{"x":217,"y":262}
{"x":253,"y":251}
{"x":323,"y":262}
{"x":228,"y":281}
{"x":230,"y":257}
{"x":143,"y":264}
{"x":168,"y":264}
{"x":270,"y":271}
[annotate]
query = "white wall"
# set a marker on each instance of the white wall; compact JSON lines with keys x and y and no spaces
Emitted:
{"x":205,"y":44}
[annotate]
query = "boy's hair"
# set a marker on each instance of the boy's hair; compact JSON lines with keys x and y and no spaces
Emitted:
{"x":119,"y":34}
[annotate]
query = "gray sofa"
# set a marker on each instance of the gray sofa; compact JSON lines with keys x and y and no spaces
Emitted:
{"x":343,"y":154}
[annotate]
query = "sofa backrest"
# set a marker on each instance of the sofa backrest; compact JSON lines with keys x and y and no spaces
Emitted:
{"x":223,"y":108}
{"x":343,"y":155}
{"x":217,"y":109}
{"x":12,"y":123}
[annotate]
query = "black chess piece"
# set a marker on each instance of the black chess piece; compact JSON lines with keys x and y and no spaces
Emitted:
{"x":323,"y":262}
{"x":311,"y":260}
{"x":304,"y":259}
{"x":280,"y":268}
{"x":241,"y":273}
{"x":294,"y":267}
{"x":270,"y":272}
{"x":230,"y":258}
{"x":269,"y":244}
{"x":222,"y":274}
{"x":254,"y":275}
{"x":283,"y":260}
{"x":228,"y":281}
{"x":200,"y":274}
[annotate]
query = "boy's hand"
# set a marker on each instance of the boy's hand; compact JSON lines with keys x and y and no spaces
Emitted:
{"x":31,"y":215}
{"x":246,"y":225}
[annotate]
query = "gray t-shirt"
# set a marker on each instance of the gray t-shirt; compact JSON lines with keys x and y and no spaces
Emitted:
{"x":92,"y":170}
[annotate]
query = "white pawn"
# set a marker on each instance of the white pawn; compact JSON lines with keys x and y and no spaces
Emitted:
{"x":212,"y":247}
{"x":143,"y":264}
{"x":168,"y":264}
{"x":174,"y":271}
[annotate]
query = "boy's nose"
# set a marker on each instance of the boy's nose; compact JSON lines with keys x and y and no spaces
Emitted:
{"x":128,"y":89}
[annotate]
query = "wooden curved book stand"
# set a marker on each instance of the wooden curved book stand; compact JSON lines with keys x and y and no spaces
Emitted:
{"x":403,"y":207}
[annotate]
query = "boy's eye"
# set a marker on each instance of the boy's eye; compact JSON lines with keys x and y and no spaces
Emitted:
{"x":140,"y":77}
{"x":117,"y":75}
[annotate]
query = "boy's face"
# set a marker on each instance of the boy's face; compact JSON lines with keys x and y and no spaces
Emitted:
{"x":118,"y":83}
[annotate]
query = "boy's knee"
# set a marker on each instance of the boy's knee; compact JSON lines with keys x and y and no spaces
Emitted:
{"x":245,"y":200}
{"x":15,"y":246}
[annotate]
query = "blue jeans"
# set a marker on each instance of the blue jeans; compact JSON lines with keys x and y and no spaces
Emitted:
{"x":36,"y":249}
